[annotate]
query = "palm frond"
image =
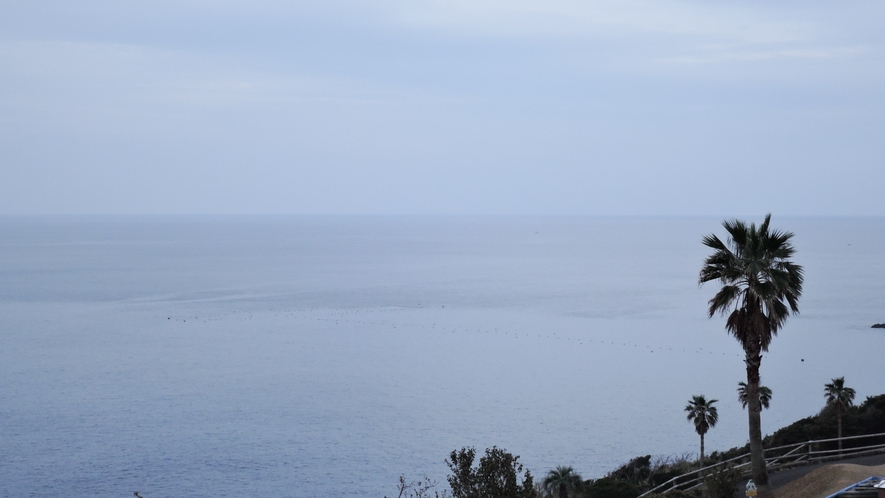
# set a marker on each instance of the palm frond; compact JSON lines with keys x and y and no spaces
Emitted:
{"x":702,"y":413}
{"x":764,"y":395}
{"x":753,"y":265}
{"x":839,"y":396}
{"x":724,"y":299}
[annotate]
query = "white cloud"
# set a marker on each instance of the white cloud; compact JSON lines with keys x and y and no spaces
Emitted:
{"x":138,"y":72}
{"x":639,"y":35}
{"x":50,"y":80}
{"x":573,"y":18}
{"x":308,"y":95}
{"x":707,"y":55}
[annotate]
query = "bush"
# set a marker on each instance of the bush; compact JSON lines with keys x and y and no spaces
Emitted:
{"x":676,"y":493}
{"x":872,"y":414}
{"x":497,"y":475}
{"x":665,"y":468}
{"x":636,"y":471}
{"x":721,"y":456}
{"x":722,"y":483}
{"x":866,"y":418}
{"x":418,"y":489}
{"x":609,"y":487}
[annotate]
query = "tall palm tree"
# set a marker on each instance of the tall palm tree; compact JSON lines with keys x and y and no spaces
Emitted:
{"x":764,"y":395}
{"x":840,"y":398}
{"x":704,"y":415}
{"x":760,"y":286}
{"x":562,"y":479}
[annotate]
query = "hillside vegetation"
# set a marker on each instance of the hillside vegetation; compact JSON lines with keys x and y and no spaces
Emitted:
{"x":643,"y":473}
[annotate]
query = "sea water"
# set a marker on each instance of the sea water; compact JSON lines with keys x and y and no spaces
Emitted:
{"x":326,"y":356}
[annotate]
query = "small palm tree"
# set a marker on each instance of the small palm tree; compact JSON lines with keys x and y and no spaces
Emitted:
{"x":704,"y":415}
{"x":840,"y":398}
{"x":563,"y":480}
{"x":764,"y":395}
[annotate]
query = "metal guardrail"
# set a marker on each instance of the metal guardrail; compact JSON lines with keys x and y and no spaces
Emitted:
{"x":790,"y":455}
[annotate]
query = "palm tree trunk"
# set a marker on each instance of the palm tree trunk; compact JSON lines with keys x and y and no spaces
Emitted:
{"x":839,"y":418}
{"x":563,"y":491}
{"x":701,"y":461}
{"x":754,"y":410}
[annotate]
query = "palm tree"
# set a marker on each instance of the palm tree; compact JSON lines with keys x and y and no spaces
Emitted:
{"x":704,"y":415}
{"x":563,"y":479}
{"x":840,"y":398}
{"x":764,"y":395}
{"x":760,"y":286}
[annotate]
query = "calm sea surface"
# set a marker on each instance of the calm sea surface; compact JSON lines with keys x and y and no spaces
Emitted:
{"x":325,"y":356}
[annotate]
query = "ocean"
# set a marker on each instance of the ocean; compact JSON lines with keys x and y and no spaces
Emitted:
{"x":326,"y":356}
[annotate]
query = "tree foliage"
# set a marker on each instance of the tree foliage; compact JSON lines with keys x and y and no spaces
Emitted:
{"x":838,"y":396}
{"x":704,"y":415}
{"x":418,"y":489}
{"x":562,"y":481}
{"x":497,"y":475}
{"x":758,"y":279}
{"x":867,"y":418}
{"x":676,"y":494}
{"x":764,"y":395}
{"x":609,"y":487}
{"x":722,"y":483}
{"x":637,"y":471}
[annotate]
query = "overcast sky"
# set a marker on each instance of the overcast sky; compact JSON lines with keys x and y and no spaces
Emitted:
{"x":442,"y":107}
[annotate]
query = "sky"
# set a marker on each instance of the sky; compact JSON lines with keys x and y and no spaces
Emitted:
{"x":516,"y":107}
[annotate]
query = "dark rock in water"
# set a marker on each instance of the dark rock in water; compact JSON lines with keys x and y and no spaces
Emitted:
{"x":879,"y":326}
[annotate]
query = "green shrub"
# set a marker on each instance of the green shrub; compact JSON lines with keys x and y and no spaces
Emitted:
{"x":636,"y":471}
{"x":497,"y":475}
{"x":676,"y":493}
{"x":608,"y":487}
{"x":722,"y":483}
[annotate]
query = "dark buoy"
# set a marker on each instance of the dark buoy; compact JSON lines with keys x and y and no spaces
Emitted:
{"x":803,"y":359}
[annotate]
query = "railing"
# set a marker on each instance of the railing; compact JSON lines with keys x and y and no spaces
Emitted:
{"x":781,"y":457}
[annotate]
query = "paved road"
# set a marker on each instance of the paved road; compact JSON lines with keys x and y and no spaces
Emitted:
{"x":778,"y":479}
